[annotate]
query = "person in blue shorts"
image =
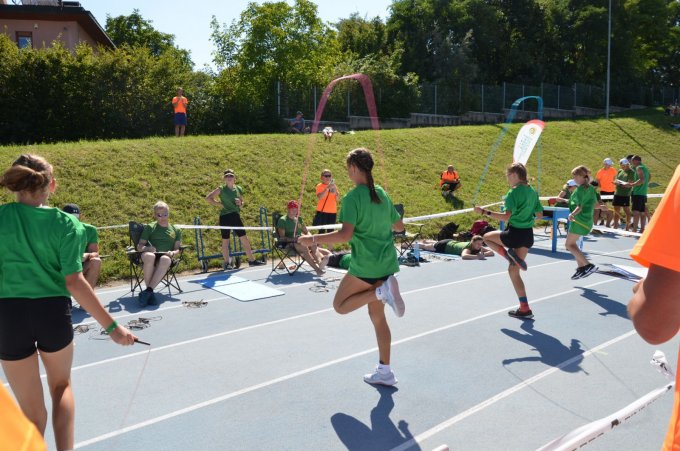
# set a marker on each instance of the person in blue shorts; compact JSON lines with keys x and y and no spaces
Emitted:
{"x":368,"y":219}
{"x":522,"y":207}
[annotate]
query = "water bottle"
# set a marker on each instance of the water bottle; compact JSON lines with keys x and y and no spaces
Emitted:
{"x":416,"y":251}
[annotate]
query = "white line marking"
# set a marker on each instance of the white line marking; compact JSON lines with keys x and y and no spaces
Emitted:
{"x":504,"y":394}
{"x":303,"y":372}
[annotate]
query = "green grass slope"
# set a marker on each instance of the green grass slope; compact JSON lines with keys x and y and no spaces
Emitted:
{"x":117,"y":181}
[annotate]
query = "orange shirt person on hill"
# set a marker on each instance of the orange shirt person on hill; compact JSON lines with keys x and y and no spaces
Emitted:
{"x":655,"y":306}
{"x":605,"y":177}
{"x":327,"y":201}
{"x":179,"y":104}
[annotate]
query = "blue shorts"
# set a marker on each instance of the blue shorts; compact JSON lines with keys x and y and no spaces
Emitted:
{"x":180,"y":118}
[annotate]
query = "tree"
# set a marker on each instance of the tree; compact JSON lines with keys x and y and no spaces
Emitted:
{"x":135,"y":31}
{"x":362,"y":37}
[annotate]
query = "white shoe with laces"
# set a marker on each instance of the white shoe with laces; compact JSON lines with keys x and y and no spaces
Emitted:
{"x":378,"y":378}
{"x":389,"y":294}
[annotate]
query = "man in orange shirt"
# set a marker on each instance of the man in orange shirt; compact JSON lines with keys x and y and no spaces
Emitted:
{"x":605,"y":177}
{"x":655,"y":306}
{"x":327,"y":201}
{"x":179,"y":104}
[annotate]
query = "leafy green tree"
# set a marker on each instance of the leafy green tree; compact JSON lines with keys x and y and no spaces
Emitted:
{"x":135,"y":31}
{"x":362,"y":37}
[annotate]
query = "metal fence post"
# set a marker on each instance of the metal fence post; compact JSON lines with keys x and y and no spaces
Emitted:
{"x":558,"y":97}
{"x":482,"y":97}
{"x":349,"y":112}
{"x":503,"y":106}
{"x":435,"y":98}
{"x":278,"y":97}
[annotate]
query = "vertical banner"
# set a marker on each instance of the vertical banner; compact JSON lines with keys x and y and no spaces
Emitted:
{"x":526,"y":140}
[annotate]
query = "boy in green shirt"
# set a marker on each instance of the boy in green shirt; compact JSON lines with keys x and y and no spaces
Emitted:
{"x":289,"y":228}
{"x":624,"y":182}
{"x":639,"y":197}
{"x":159,"y":244}
{"x":92,"y":264}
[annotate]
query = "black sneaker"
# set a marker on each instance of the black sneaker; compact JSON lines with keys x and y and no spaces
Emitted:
{"x":152,"y":299}
{"x":521,"y":315}
{"x":255,"y":263}
{"x":579,"y":272}
{"x":588,"y":270}
{"x":522,"y":264}
{"x":144,"y":298}
{"x":509,"y":258}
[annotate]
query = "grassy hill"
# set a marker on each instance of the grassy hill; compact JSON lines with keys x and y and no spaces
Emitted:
{"x":117,"y":181}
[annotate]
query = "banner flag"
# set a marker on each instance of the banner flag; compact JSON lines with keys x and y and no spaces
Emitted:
{"x":526,"y":140}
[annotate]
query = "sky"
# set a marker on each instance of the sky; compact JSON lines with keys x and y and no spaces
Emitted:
{"x":189,"y":21}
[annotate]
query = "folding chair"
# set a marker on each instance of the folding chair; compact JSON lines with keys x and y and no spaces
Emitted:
{"x":169,"y":280}
{"x":283,"y":252}
{"x":404,"y":241}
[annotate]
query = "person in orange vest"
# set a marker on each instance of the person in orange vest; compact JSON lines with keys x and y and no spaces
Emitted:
{"x":654,"y":308}
{"x":179,"y":104}
{"x":450,"y":181}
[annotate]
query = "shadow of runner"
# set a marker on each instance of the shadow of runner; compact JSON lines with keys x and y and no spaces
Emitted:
{"x":610,"y":306}
{"x":551,"y":351}
{"x":382,"y":434}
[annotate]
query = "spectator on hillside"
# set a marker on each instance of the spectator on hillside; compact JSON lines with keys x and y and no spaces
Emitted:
{"x":159,"y":243}
{"x":179,"y":104}
{"x":289,"y":228}
{"x":92,"y":264}
{"x":328,"y":133}
{"x":327,"y":201}
{"x":297,"y":124}
{"x":605,"y":177}
{"x":449,"y":181}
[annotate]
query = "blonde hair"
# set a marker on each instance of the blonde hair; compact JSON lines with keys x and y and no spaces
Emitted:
{"x":160,"y":205}
{"x":30,"y":173}
{"x":583,"y":172}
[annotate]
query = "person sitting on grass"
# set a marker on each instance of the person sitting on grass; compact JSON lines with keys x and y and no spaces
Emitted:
{"x":449,"y":181}
{"x":289,"y":228}
{"x":159,"y":243}
{"x":297,"y":124}
{"x":92,"y":264}
{"x":468,"y":250}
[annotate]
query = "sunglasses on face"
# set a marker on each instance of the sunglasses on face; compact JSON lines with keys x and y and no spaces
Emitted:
{"x":326,"y":175}
{"x":162,"y":215}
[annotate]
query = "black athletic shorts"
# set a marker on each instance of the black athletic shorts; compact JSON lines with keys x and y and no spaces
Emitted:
{"x":621,"y":201}
{"x":514,"y":238}
{"x":322,"y":218}
{"x":374,"y":280}
{"x":231,"y":220}
{"x":27,"y":324}
{"x":440,"y":246}
{"x":639,"y":202}
{"x":606,"y":193}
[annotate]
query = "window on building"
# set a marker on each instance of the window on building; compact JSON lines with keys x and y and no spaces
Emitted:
{"x":25,"y":39}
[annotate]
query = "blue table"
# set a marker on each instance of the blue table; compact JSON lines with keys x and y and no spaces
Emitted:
{"x":557,"y":214}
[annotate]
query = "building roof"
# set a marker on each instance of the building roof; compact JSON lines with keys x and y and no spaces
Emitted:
{"x":63,"y":11}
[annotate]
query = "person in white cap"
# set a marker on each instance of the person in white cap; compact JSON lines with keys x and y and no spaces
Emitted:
{"x":562,"y":199}
{"x":624,"y":185}
{"x":605,"y":178}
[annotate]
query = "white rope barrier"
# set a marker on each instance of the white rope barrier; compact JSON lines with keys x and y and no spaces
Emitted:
{"x":591,"y":431}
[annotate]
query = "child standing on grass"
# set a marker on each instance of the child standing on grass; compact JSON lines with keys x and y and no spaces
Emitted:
{"x":40,"y":268}
{"x":581,"y":204}
{"x":522,"y":207}
{"x":368,"y":218}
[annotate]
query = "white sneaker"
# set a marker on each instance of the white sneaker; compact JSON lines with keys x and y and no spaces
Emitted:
{"x":378,"y":378}
{"x":393,"y":297}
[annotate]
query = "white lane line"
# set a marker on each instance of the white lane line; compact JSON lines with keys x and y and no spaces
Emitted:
{"x":504,"y":394}
{"x":303,"y":372}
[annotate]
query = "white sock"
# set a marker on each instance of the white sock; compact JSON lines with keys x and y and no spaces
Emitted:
{"x":384,"y":369}
{"x":381,"y":292}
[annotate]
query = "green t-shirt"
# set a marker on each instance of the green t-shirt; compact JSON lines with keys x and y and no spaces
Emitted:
{"x":373,"y":251}
{"x":625,"y":176}
{"x":641,"y":190}
{"x":288,"y":224}
{"x":585,"y":196}
{"x":523,"y":202}
{"x":456,"y":247}
{"x":91,"y":235}
{"x":162,"y":238}
{"x":228,"y":198}
{"x":38,"y":248}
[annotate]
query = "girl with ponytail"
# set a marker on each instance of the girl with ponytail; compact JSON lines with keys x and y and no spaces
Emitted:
{"x":368,"y":218}
{"x":40,"y":268}
{"x":582,"y":205}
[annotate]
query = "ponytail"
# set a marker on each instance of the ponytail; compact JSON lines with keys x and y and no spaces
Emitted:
{"x":362,"y":159}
